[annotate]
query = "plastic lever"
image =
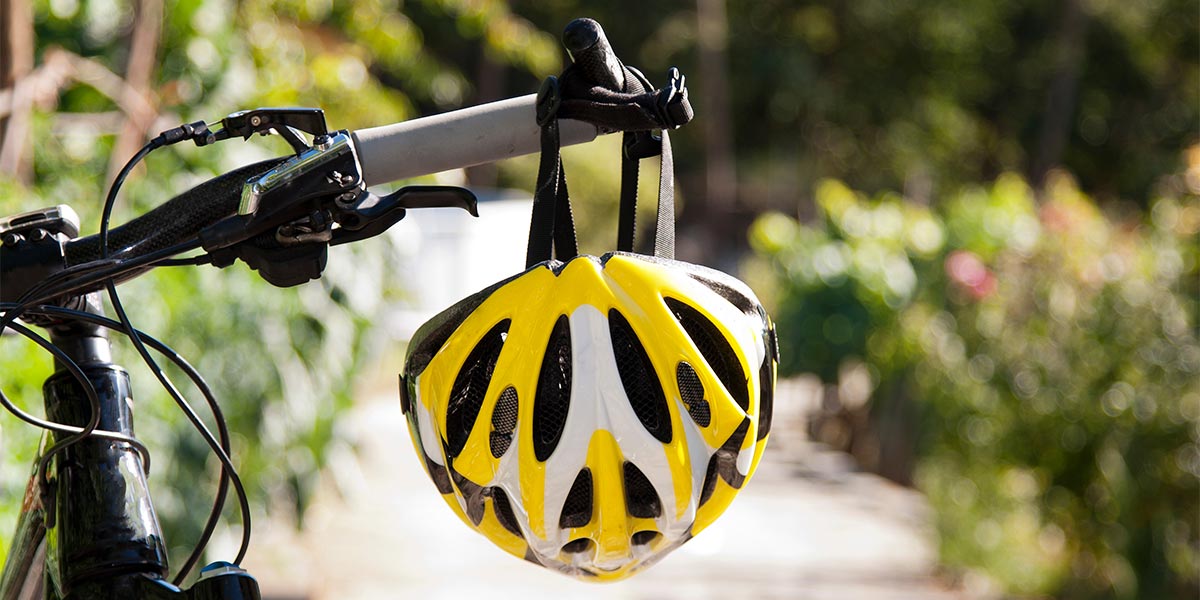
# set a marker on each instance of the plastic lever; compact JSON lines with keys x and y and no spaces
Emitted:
{"x":370,"y":215}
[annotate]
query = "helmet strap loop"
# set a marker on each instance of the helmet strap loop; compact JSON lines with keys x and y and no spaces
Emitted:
{"x":552,"y":227}
{"x":636,"y":146}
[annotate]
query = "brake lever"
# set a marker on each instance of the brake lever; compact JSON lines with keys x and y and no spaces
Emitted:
{"x":368,"y":215}
{"x":287,"y":122}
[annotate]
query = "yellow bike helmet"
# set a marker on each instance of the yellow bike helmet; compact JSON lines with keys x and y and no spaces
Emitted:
{"x":594,"y":415}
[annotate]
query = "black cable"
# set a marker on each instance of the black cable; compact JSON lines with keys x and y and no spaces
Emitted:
{"x":132,"y":333}
{"x":90,"y":275}
{"x":198,"y":380}
{"x":110,"y":201}
{"x":226,"y":462}
{"x":79,"y":433}
{"x":12,"y":312}
{"x":191,"y":261}
{"x":34,"y":293}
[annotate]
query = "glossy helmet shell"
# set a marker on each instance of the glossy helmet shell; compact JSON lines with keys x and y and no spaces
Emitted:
{"x":592,"y":416}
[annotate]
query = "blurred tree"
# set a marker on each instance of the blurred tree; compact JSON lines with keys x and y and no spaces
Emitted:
{"x":924,"y":97}
{"x":1050,"y":358}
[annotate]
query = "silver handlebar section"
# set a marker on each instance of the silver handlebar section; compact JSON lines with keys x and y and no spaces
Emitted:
{"x":457,"y":139}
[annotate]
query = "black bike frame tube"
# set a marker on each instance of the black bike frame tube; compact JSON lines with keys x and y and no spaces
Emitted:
{"x":24,"y":567}
{"x":101,"y":524}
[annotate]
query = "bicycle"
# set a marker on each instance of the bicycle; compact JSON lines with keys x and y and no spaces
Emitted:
{"x":87,"y":527}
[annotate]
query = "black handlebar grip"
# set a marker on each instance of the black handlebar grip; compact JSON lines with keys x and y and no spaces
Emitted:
{"x":591,"y":52}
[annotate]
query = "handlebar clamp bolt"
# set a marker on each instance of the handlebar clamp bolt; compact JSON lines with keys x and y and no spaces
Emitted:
{"x":11,"y":239}
{"x":38,"y":235}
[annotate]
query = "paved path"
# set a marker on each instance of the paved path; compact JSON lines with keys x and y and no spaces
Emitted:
{"x":807,"y":526}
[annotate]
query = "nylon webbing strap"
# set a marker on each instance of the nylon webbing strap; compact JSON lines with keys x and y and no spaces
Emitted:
{"x":564,"y":222}
{"x":627,"y":212}
{"x":664,"y":227}
{"x":634,"y":147}
{"x":552,"y":227}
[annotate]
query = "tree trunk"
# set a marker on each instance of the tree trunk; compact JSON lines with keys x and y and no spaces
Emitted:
{"x":1070,"y":57}
{"x":139,"y":78}
{"x":721,"y":175}
{"x":16,"y":63}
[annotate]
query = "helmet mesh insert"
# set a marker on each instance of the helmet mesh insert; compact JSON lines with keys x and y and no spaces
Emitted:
{"x":691,"y":390}
{"x":577,"y":509}
{"x":640,"y":498}
{"x":504,"y":511}
{"x":504,"y":419}
{"x":553,"y":391}
{"x":715,"y":348}
{"x":641,"y":383}
{"x":470,"y":385}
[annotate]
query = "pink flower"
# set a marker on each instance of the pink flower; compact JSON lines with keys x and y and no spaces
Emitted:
{"x":969,"y":273}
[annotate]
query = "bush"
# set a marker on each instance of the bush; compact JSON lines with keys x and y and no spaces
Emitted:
{"x":1051,"y":355}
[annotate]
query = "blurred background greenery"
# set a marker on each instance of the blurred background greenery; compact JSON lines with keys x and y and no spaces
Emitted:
{"x":976,"y":221}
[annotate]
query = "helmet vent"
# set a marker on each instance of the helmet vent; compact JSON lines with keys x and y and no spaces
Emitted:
{"x":640,"y":498}
{"x":553,"y":391}
{"x":577,"y":546}
{"x":466,"y":396}
{"x":504,"y":420}
{"x":715,"y":348}
{"x":642,"y":386}
{"x":643,"y":538}
{"x":504,"y":511}
{"x":577,"y":509}
{"x":691,"y":390}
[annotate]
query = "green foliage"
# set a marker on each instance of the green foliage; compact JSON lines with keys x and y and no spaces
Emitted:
{"x":1053,"y":357}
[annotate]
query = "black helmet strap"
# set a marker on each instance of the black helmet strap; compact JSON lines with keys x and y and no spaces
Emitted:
{"x":552,"y":228}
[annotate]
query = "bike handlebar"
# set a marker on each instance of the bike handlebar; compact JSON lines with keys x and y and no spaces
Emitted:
{"x":451,"y":140}
{"x":457,"y":139}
